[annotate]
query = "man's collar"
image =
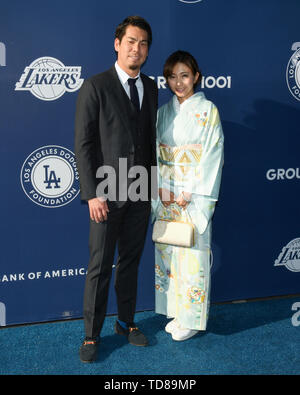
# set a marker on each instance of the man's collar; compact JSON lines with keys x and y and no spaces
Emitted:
{"x":122,"y":74}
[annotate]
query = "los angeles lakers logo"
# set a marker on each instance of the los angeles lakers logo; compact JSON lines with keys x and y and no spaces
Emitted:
{"x":49,"y":176}
{"x":48,"y":79}
{"x":293,"y":72}
{"x":290,"y":256}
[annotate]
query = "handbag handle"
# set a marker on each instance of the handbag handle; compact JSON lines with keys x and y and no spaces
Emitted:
{"x":187,"y":212}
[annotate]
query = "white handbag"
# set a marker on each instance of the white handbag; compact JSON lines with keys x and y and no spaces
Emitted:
{"x":177,"y":233}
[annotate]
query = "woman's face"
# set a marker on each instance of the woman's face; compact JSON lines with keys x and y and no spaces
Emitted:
{"x":181,"y":81}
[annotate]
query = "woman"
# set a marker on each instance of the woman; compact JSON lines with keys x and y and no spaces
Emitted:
{"x":190,"y":160}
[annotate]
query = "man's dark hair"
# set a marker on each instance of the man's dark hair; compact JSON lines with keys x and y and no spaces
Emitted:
{"x":134,"y":21}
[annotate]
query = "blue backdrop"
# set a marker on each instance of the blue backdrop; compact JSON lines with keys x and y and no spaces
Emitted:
{"x":248,"y":51}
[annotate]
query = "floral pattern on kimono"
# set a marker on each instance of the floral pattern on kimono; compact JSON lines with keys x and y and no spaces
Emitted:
{"x":190,"y":158}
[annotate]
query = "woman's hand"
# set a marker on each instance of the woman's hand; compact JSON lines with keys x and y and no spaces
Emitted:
{"x":184,"y":199}
{"x":167,"y":197}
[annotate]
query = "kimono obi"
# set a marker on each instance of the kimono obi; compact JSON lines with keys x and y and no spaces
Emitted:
{"x":179,"y":163}
{"x":184,"y":155}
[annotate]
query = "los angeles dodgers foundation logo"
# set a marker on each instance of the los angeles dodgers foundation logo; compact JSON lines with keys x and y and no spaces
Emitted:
{"x":48,"y":79}
{"x":49,"y":176}
{"x":290,"y":256}
{"x":293,"y":72}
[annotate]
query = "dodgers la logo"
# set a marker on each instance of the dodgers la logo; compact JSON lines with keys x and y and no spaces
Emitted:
{"x":293,"y":72}
{"x":49,"y":176}
{"x":290,"y":256}
{"x":48,"y":79}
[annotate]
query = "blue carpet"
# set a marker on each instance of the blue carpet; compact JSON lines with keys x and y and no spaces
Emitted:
{"x":245,"y":338}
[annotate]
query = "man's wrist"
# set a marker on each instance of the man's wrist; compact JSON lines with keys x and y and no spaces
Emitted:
{"x":101,"y":199}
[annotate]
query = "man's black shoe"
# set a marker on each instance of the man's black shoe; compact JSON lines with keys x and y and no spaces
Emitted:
{"x":134,"y":335}
{"x":89,"y":350}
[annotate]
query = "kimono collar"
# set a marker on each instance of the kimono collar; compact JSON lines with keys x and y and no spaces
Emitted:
{"x":196,"y":96}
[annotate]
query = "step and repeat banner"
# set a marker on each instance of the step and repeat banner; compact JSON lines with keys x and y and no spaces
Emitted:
{"x":249,"y":54}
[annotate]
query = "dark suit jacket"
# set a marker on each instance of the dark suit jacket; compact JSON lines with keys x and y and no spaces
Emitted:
{"x":103,"y":127}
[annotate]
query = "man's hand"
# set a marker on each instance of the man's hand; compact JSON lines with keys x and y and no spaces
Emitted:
{"x":98,"y":209}
{"x":167,"y":197}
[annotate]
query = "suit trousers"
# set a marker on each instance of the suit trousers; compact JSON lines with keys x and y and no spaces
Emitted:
{"x":125,"y":228}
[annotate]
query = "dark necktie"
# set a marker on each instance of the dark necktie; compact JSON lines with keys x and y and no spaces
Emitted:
{"x":134,"y":96}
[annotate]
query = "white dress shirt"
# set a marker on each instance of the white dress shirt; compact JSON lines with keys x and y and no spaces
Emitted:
{"x":123,"y":77}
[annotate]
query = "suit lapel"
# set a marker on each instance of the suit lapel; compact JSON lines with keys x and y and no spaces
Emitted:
{"x":148,"y":95}
{"x":120,"y":100}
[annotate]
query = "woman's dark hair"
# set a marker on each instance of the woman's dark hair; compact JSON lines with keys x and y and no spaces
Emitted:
{"x":185,"y":58}
{"x":133,"y":21}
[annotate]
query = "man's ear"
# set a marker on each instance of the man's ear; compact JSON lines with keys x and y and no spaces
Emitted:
{"x":117,"y":44}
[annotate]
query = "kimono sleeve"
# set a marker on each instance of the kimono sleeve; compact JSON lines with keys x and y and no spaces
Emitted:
{"x":205,"y":186}
{"x":155,"y":201}
{"x":208,"y":173}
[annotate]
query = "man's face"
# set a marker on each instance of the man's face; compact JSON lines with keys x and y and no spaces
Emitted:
{"x":132,"y":50}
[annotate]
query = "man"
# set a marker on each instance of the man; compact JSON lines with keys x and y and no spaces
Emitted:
{"x":115,"y":118}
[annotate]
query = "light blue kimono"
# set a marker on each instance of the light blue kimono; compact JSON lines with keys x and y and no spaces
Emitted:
{"x":190,"y":159}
